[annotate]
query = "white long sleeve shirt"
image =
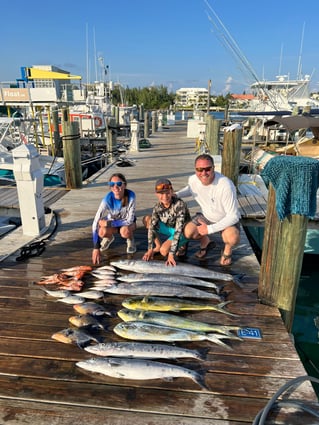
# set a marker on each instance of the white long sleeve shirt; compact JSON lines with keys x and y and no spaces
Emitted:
{"x":218,"y":201}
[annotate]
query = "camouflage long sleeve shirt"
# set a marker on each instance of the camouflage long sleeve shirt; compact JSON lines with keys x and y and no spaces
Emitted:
{"x":175,"y":216}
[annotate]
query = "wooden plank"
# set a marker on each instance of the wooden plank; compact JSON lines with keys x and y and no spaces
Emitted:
{"x":39,"y":377}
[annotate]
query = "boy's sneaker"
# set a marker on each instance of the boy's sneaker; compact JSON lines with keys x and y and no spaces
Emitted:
{"x":105,"y":243}
{"x":131,"y":247}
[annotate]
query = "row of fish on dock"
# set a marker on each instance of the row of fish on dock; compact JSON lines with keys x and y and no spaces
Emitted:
{"x":158,"y":290}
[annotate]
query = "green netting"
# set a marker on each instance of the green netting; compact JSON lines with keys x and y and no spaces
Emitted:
{"x":296,"y":181}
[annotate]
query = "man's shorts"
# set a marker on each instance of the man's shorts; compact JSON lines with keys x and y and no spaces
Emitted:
{"x":199,"y":216}
{"x":170,"y":232}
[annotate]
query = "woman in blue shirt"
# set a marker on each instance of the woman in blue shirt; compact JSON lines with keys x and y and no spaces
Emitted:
{"x":116,"y":214}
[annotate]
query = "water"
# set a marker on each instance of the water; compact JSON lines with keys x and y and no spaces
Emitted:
{"x":305,"y":327}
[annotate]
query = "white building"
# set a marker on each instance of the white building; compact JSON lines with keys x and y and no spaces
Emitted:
{"x":192,"y":97}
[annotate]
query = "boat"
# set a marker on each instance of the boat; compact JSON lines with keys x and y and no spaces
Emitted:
{"x":13,"y":133}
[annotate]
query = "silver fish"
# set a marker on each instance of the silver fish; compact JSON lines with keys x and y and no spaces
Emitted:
{"x":72,"y":299}
{"x":92,"y":295}
{"x":172,"y":304}
{"x":174,"y":321}
{"x":139,"y":369}
{"x":86,"y":321}
{"x":182,"y":280}
{"x":184,"y":269}
{"x":160,"y":288}
{"x":144,"y":350}
{"x":104,"y":282}
{"x":106,"y":267}
{"x":103,"y":274}
{"x":58,"y":293}
{"x":74,"y":336}
{"x":90,"y":307}
{"x":144,"y":331}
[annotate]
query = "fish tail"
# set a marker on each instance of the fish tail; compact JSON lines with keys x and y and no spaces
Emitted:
{"x":216,"y":339}
{"x":202,"y":353}
{"x":237,"y":280}
{"x":200,"y":380}
{"x":220,"y":307}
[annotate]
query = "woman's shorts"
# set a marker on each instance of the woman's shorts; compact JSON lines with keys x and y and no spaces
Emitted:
{"x":170,"y":232}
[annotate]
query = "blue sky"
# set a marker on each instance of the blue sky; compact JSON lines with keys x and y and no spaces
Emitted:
{"x":167,"y":42}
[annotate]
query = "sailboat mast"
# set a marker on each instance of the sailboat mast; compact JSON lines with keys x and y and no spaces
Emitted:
{"x":299,"y":71}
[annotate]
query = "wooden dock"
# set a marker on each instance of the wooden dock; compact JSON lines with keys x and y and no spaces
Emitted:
{"x":39,"y":381}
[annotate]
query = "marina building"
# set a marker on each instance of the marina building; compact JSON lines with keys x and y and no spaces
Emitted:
{"x":192,"y":97}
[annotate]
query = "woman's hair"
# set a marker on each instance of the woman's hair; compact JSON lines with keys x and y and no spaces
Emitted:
{"x":123,"y":178}
{"x":120,"y":176}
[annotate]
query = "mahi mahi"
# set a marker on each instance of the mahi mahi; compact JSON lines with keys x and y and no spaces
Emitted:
{"x":173,"y":320}
{"x":172,"y":304}
{"x":143,"y":331}
{"x":181,"y":280}
{"x":184,"y":269}
{"x":144,"y":350}
{"x":139,"y":369}
{"x":164,"y":289}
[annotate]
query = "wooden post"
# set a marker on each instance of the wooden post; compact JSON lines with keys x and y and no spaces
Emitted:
{"x":212,"y":134}
{"x":146,"y":125}
{"x":154,"y":117}
{"x":231,"y":154}
{"x":281,"y":262}
{"x":71,"y":151}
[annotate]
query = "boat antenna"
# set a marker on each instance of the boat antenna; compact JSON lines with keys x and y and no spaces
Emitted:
{"x":87,"y":55}
{"x":299,"y":71}
{"x":95,"y":56}
{"x":228,"y":41}
{"x":280,"y":61}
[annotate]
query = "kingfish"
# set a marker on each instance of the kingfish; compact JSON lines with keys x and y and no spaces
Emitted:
{"x":165,"y":289}
{"x":139,"y":369}
{"x":143,"y":331}
{"x":172,"y":304}
{"x":144,"y":350}
{"x":73,"y":336}
{"x":174,"y":321}
{"x":86,"y":321}
{"x":182,"y":280}
{"x":91,"y":308}
{"x":183,"y":269}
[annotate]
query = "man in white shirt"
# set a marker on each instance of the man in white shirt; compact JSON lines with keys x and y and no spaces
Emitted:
{"x":216,"y":195}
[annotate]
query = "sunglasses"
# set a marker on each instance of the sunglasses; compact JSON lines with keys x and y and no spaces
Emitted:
{"x":112,"y":184}
{"x":201,"y":169}
{"x":163,"y":186}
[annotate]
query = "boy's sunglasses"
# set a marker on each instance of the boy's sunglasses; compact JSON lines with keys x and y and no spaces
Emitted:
{"x":112,"y":184}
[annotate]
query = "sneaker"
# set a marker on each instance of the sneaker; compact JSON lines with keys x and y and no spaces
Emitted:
{"x":131,"y":247}
{"x":105,"y":243}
